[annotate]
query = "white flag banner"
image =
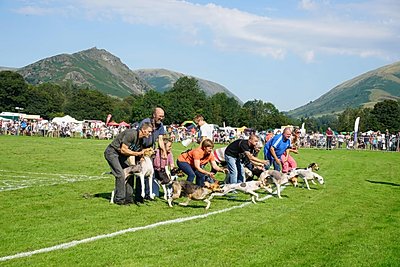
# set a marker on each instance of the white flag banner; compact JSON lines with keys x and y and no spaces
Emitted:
{"x":356,"y":123}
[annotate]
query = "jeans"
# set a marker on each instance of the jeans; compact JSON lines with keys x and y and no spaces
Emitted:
{"x":191,"y":173}
{"x":276,"y":165}
{"x":236,"y":170}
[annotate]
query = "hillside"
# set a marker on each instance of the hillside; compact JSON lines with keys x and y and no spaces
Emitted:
{"x":94,"y":67}
{"x":99,"y":69}
{"x":162,"y":80}
{"x":362,"y":91}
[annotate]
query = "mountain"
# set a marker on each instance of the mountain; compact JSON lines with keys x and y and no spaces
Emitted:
{"x":362,"y":91}
{"x":162,"y":80}
{"x":7,"y":68}
{"x":94,"y":67}
{"x":99,"y":69}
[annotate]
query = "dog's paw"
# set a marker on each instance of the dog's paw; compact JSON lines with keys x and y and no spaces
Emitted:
{"x":183,"y":204}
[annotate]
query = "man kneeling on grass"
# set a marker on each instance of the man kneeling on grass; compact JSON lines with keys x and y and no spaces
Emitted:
{"x":127,"y":143}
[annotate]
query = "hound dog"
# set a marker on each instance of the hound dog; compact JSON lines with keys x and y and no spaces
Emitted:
{"x":144,"y":169}
{"x":192,"y":192}
{"x":173,"y":175}
{"x":307,"y":174}
{"x":245,"y":187}
{"x":276,"y":178}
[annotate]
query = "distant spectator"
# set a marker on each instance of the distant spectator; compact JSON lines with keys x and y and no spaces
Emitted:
{"x":206,"y":130}
{"x":329,"y":136}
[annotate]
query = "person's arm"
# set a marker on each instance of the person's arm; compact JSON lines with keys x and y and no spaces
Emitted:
{"x":198,"y":168}
{"x":162,"y":146}
{"x":255,"y":159}
{"x":216,"y":167}
{"x":127,"y":152}
{"x":272,"y":150}
{"x":170,"y":160}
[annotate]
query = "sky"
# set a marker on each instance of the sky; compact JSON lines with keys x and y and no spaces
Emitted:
{"x":287,"y":52}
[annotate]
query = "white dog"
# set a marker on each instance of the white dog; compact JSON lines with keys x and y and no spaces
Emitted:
{"x":306,"y":175}
{"x":275,"y":177}
{"x":246,"y":187}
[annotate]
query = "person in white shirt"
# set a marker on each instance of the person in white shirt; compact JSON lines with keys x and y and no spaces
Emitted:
{"x":206,"y":130}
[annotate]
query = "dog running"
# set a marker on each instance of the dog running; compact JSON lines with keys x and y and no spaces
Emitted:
{"x":245,"y":187}
{"x":276,"y":178}
{"x":192,"y":192}
{"x":307,"y":174}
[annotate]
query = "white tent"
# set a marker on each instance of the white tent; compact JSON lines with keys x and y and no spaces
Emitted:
{"x":5,"y":119}
{"x":65,"y":119}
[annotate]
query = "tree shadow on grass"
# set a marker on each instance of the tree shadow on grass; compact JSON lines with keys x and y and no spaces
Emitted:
{"x":380,"y":182}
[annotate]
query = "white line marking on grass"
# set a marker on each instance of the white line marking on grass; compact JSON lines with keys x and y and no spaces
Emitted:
{"x":30,"y":179}
{"x":121,"y":232}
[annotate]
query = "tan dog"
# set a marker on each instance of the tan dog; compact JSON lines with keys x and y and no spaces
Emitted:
{"x":192,"y":192}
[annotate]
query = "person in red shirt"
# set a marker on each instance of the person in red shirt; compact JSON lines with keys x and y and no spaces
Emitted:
{"x":329,"y":136}
{"x":192,"y":162}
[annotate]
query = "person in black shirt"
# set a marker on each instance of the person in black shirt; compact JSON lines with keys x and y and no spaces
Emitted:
{"x":235,"y":154}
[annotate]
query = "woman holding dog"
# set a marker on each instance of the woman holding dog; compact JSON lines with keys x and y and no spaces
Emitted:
{"x":192,"y":162}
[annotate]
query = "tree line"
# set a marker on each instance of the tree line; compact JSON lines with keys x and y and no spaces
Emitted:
{"x":182,"y":102}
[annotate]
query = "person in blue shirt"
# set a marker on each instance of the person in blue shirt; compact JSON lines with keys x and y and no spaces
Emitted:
{"x":156,"y":121}
{"x":276,"y":146}
{"x":158,"y":131}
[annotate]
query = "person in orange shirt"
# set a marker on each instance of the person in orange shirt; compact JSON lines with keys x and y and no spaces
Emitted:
{"x":192,"y":162}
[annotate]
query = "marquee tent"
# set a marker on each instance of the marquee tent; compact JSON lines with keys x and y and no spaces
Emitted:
{"x":65,"y":119}
{"x":113,"y":123}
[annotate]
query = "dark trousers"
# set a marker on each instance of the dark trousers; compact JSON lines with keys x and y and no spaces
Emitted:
{"x":138,"y":188}
{"x":123,"y":187}
{"x":191,"y":173}
{"x":329,"y":143}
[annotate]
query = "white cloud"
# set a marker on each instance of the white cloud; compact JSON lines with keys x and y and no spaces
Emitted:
{"x":361,"y":28}
{"x":308,"y":4}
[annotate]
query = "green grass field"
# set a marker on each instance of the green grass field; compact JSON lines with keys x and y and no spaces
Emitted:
{"x":52,"y":192}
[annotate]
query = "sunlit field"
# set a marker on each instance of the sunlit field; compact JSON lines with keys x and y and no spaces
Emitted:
{"x":55,"y":208}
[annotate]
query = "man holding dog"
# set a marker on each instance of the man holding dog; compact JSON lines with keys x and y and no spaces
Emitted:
{"x":274,"y":148}
{"x":127,"y":143}
{"x":235,"y":154}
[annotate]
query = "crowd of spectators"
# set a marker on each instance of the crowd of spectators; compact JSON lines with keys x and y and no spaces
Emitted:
{"x":371,"y":140}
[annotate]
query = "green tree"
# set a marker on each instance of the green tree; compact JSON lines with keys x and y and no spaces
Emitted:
{"x":13,"y":90}
{"x":143,"y":105}
{"x":223,"y":109}
{"x":387,"y":115}
{"x":45,"y":99}
{"x":184,"y":101}
{"x":89,"y":104}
